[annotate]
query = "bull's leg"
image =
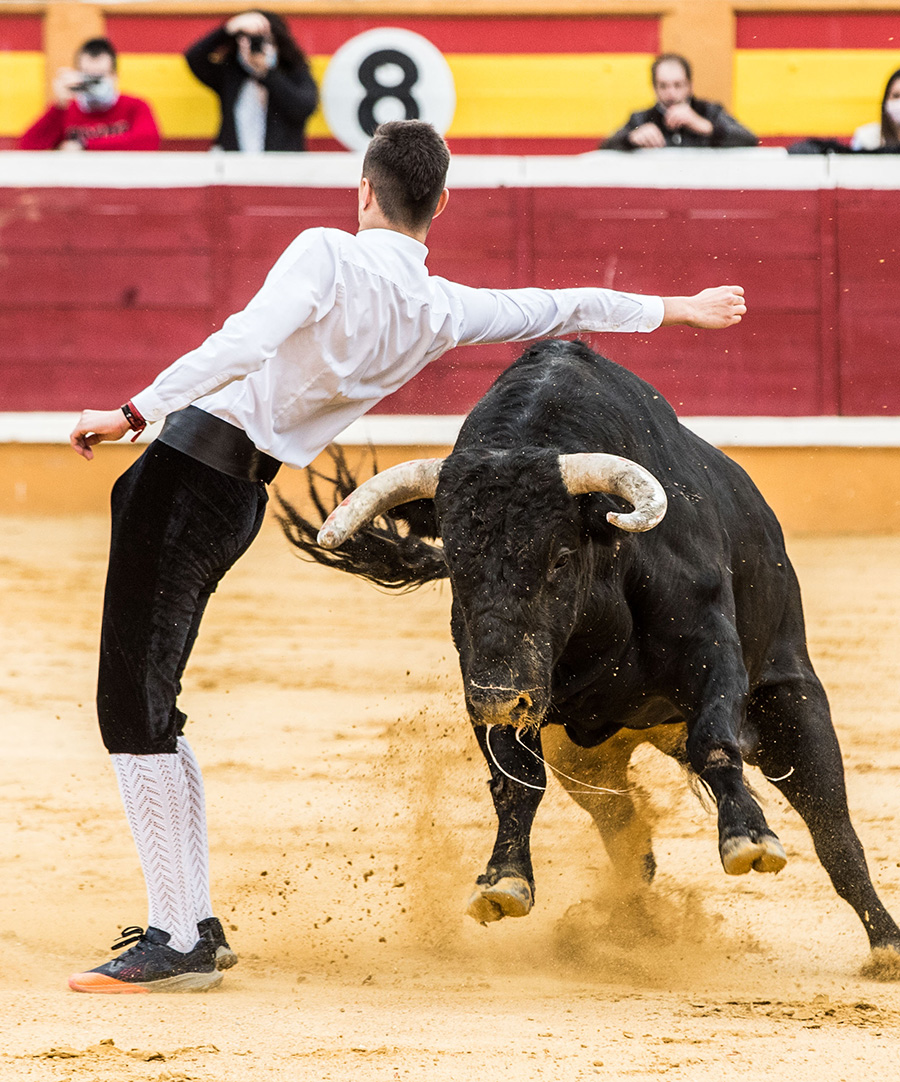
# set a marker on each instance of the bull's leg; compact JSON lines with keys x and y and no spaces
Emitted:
{"x":619,"y":818}
{"x":797,"y":749}
{"x":745,"y":839}
{"x":518,"y":781}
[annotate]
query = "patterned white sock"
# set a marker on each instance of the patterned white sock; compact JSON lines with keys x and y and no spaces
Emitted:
{"x":155,"y":794}
{"x":198,"y":848}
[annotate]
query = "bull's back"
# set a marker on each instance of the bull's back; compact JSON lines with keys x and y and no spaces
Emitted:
{"x":562,"y":395}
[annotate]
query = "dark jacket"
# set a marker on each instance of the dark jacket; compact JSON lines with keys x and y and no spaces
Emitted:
{"x":726,"y":130}
{"x":292,"y":93}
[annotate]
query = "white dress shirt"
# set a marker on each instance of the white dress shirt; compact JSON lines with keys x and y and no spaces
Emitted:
{"x":250,"y":112}
{"x":344,"y":320}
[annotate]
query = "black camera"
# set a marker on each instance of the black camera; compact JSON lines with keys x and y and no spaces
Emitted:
{"x":87,"y":83}
{"x":255,"y":42}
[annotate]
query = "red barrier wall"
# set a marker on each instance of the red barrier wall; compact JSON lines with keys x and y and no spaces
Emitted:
{"x":101,"y":288}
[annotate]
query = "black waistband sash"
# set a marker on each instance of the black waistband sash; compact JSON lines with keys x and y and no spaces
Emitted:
{"x":217,"y":443}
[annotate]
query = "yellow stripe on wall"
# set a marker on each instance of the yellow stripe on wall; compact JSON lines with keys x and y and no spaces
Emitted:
{"x":547,"y":94}
{"x":21,"y":91}
{"x":778,"y":92}
{"x":559,"y":94}
{"x":810,"y":91}
{"x":184,"y":108}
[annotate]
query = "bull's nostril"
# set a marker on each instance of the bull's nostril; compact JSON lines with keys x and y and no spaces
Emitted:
{"x":523,"y":703}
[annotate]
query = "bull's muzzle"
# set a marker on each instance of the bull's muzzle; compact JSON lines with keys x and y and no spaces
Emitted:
{"x":492,"y":705}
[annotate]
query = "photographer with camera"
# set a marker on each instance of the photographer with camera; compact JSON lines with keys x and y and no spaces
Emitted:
{"x":88,"y":112}
{"x":262,"y":79}
{"x":678,"y":119}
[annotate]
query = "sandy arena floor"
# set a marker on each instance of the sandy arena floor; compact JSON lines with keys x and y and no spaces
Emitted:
{"x":349,"y":816}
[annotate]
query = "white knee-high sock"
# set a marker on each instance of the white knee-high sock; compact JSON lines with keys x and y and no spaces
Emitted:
{"x":157,"y":805}
{"x":198,"y":844}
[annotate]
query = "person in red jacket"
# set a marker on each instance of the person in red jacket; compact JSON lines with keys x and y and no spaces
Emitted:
{"x":88,"y":112}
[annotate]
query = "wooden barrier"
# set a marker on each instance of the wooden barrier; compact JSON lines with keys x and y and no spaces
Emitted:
{"x":813,"y":490}
{"x":104,"y":280}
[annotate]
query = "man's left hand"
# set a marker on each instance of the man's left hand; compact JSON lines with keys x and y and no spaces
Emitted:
{"x":681,"y":115}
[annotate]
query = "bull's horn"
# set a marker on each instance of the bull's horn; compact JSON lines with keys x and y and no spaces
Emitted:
{"x":621,"y":477}
{"x":415,"y":480}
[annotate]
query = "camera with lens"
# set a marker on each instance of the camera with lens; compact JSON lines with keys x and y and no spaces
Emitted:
{"x":255,"y":42}
{"x":86,"y":84}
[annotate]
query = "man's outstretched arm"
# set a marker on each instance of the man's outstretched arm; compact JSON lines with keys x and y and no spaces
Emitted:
{"x":516,"y":315}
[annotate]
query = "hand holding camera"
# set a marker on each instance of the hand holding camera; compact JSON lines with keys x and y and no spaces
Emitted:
{"x":682,"y":115}
{"x":255,"y":49}
{"x":65,"y":85}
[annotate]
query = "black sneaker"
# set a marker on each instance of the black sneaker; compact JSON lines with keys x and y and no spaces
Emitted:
{"x":211,"y":928}
{"x":151,"y":966}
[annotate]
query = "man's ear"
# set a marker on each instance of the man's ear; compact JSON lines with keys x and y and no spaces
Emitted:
{"x":366,"y":195}
{"x":442,"y":202}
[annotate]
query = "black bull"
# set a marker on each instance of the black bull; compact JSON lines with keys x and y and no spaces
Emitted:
{"x":578,"y":640}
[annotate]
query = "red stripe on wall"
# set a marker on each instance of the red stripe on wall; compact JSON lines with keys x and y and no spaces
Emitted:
{"x":157,"y":34}
{"x":819,"y":30}
{"x":483,"y":145}
{"x":322,"y":35}
{"x":21,"y":32}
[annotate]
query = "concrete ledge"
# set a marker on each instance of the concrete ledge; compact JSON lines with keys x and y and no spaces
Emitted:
{"x":396,"y":430}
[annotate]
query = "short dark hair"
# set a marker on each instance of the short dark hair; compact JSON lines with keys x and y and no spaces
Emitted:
{"x":677,"y":58}
{"x":99,"y":47}
{"x":406,"y":164}
{"x":290,"y":55}
{"x":888,"y":127}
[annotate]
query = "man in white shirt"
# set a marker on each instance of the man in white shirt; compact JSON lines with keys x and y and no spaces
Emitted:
{"x":341,"y":322}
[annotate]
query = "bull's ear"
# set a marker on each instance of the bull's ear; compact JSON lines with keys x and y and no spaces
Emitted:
{"x":420,"y":516}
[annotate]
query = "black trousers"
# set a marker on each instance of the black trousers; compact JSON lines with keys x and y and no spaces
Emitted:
{"x":177,"y":526}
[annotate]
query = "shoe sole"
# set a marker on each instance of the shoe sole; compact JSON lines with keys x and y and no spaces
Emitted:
{"x":99,"y":983}
{"x":225,"y":958}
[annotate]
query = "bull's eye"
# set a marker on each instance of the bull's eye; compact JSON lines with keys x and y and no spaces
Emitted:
{"x":562,"y":558}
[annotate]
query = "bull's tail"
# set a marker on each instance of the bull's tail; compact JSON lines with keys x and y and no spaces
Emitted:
{"x":379,"y":551}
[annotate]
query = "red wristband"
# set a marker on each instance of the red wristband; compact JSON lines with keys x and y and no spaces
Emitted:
{"x":135,"y":421}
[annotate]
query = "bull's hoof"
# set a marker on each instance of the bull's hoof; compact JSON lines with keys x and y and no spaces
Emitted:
{"x":883,"y":964}
{"x":741,"y":854}
{"x":508,"y":897}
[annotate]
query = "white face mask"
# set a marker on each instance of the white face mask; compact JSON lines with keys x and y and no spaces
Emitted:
{"x":892,"y":108}
{"x":101,"y":95}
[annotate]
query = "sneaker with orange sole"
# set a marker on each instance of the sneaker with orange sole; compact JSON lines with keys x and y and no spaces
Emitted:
{"x":149,"y":965}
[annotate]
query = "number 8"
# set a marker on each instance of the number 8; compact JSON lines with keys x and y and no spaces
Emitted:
{"x":357,"y":82}
{"x":376,"y":92}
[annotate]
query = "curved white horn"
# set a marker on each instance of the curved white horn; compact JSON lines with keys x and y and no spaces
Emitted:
{"x":597,"y":472}
{"x":415,"y":480}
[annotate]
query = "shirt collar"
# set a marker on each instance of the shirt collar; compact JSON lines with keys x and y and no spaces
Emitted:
{"x":392,"y":238}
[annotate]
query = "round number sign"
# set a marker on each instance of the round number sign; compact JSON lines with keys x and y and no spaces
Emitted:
{"x":386,"y":74}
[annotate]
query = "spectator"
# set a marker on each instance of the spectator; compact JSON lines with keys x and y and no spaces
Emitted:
{"x":262,"y":79}
{"x":88,"y":112}
{"x":678,"y":119}
{"x":886,"y":132}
